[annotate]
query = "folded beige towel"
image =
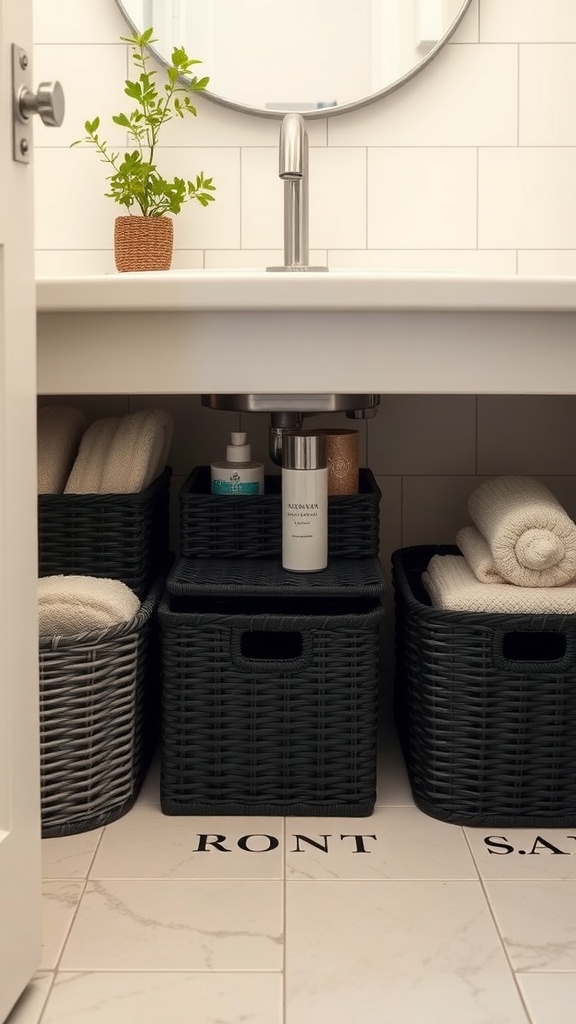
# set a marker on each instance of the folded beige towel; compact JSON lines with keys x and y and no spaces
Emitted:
{"x":531,"y":539}
{"x":453,"y":586}
{"x":59,"y":430}
{"x":69,"y":605}
{"x":478,"y":555}
{"x":86,"y":474}
{"x":138,"y":451}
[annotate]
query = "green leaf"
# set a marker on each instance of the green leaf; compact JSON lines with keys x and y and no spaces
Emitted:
{"x":134,"y":90}
{"x":179,"y":56}
{"x":134,"y":180}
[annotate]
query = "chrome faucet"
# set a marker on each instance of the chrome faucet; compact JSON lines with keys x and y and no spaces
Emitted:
{"x":293,"y":171}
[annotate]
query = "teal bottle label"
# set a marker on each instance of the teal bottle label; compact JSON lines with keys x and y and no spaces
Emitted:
{"x":235,"y":486}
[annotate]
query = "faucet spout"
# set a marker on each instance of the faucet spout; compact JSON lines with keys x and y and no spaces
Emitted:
{"x":293,"y":171}
{"x":293,"y":148}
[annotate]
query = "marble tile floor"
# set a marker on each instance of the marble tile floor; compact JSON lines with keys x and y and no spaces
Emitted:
{"x":393,"y":919}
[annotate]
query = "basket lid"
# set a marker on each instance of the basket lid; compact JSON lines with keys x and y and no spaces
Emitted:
{"x":241,"y":577}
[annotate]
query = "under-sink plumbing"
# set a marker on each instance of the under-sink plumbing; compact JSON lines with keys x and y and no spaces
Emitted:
{"x":280,"y":424}
{"x":287,"y":412}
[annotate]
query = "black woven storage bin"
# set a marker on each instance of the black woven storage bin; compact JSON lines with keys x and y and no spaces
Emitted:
{"x":485,"y":706}
{"x":99,"y":714}
{"x":233,"y":578}
{"x":250,"y":526}
{"x":119,"y":536}
{"x":269,"y":704}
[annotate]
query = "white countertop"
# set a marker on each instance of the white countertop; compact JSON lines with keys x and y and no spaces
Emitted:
{"x":340,"y":331}
{"x":332,"y":291}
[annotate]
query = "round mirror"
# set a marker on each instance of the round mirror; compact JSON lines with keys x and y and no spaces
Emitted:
{"x":318,"y":57}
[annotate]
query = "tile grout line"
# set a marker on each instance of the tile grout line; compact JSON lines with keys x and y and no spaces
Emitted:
{"x":50,"y":990}
{"x":56,"y":969}
{"x":515,"y":980}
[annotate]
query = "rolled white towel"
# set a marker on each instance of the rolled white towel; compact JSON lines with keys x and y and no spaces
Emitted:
{"x":59,"y":430}
{"x":138,"y":451}
{"x":69,"y":605}
{"x":86,"y":474}
{"x":452,"y":586}
{"x":478,"y":555}
{"x":531,"y":538}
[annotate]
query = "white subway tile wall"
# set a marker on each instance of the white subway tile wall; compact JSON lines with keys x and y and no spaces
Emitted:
{"x":528,"y":21}
{"x":422,"y":197}
{"x":472,"y":155}
{"x":547,"y":77}
{"x":468,"y":168}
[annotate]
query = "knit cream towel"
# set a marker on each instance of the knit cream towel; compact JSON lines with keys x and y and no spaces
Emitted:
{"x":59,"y":429}
{"x":531,"y":538}
{"x":138,"y":451}
{"x":453,"y":587}
{"x":68,"y":605}
{"x":478,"y":555}
{"x":86,"y":474}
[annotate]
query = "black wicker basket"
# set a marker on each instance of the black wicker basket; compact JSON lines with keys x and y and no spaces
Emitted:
{"x":99,"y":713}
{"x":264,"y":578}
{"x":269,"y":704}
{"x":250,"y":526}
{"x":485,"y":706}
{"x":119,"y":536}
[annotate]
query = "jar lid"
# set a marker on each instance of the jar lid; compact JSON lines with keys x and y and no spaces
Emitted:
{"x":303,"y":451}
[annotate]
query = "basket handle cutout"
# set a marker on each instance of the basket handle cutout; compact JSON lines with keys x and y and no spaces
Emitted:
{"x":262,"y":645}
{"x":539,"y":646}
{"x":265,"y":650}
{"x":534,"y":650}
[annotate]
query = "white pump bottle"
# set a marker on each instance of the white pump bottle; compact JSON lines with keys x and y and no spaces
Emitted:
{"x":238,"y":474}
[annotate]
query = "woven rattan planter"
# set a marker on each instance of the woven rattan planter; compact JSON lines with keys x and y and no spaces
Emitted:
{"x":143,"y":243}
{"x":119,"y":536}
{"x":485,"y":707}
{"x":269,"y":703}
{"x":99,"y":708}
{"x":250,"y":526}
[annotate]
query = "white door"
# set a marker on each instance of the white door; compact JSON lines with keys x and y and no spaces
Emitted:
{"x":19,"y":760}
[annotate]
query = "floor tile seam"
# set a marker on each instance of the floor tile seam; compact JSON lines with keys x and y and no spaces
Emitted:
{"x":499,"y":935}
{"x":167,"y":970}
{"x":523,"y":972}
{"x":96,"y":849}
{"x":183,"y":878}
{"x":84,"y":877}
{"x":288,"y":878}
{"x":83,"y":882}
{"x":471,"y":851}
{"x":505,"y":951}
{"x":380,"y":881}
{"x":522,"y":881}
{"x":47,"y":1000}
{"x":80,"y":880}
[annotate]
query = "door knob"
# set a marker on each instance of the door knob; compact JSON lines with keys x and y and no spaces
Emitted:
{"x":48,"y":102}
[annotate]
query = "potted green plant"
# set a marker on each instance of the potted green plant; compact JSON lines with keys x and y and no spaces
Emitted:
{"x":143,"y":238}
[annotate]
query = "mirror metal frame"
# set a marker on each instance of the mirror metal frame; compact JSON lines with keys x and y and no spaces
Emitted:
{"x":342,"y":108}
